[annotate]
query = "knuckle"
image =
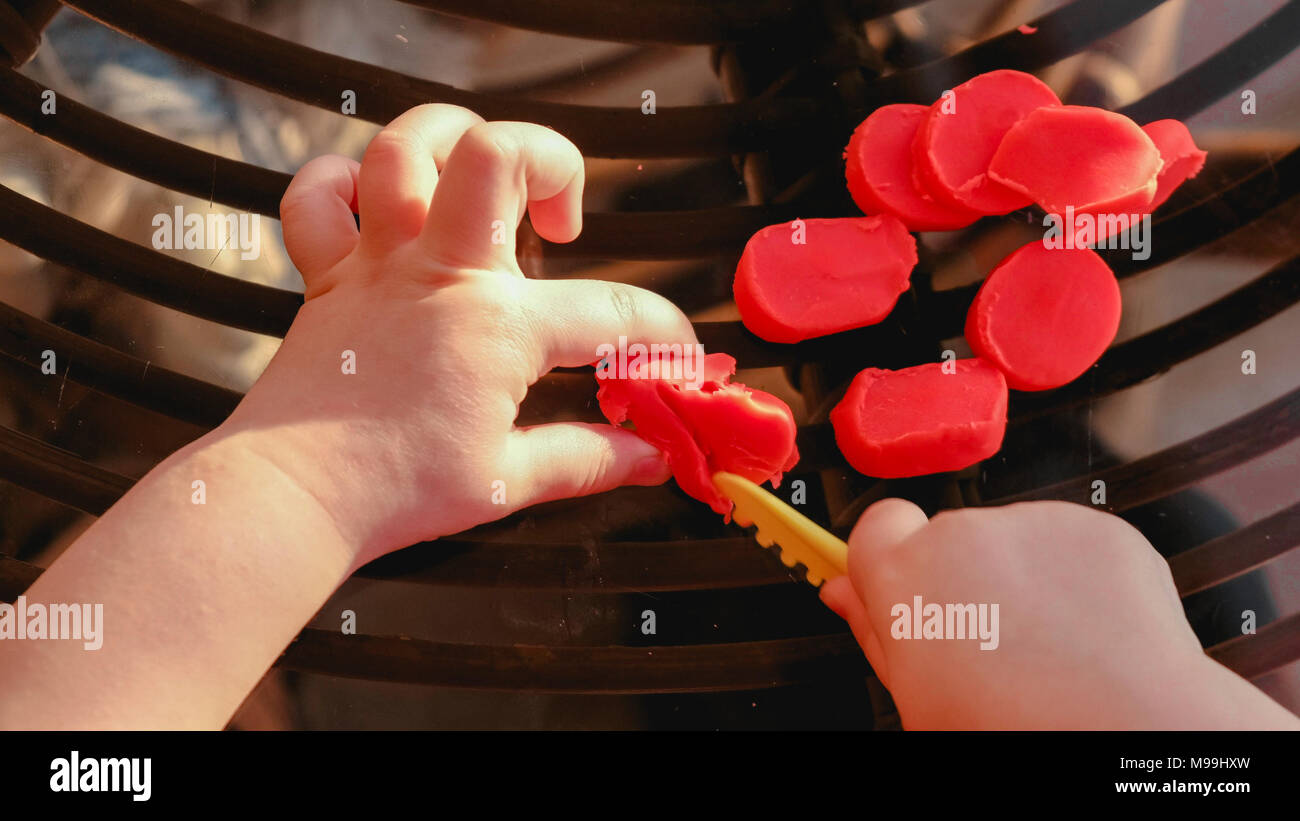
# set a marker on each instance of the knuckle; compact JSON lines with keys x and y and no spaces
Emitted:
{"x":389,"y":144}
{"x":489,"y":145}
{"x":294,"y":202}
{"x":625,"y":303}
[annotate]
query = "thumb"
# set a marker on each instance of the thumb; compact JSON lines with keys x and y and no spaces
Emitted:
{"x":838,"y":594}
{"x":884,"y":526}
{"x":881,"y":529}
{"x":567,"y":459}
{"x":316,"y":214}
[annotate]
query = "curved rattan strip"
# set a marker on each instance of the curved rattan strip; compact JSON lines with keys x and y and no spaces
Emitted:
{"x":630,"y":235}
{"x":1142,"y":481}
{"x":22,"y":337}
{"x":140,"y":153}
{"x":656,"y":235}
{"x":619,"y":669}
{"x":57,"y":474}
{"x":320,"y":79}
{"x":680,"y":22}
{"x":114,"y":373}
{"x":15,"y":577}
{"x":1061,"y":33}
{"x":1236,"y":553}
{"x":144,"y":272}
{"x":1274,"y":646}
{"x":60,"y":476}
{"x":750,"y":665}
{"x":1222,"y":73}
{"x":618,"y":567}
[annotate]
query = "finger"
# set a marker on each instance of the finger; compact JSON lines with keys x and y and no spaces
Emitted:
{"x":495,"y":172}
{"x":573,"y":318}
{"x":562,"y":460}
{"x":316,"y":214}
{"x":400,"y":171}
{"x":882,"y":527}
{"x":838,"y":594}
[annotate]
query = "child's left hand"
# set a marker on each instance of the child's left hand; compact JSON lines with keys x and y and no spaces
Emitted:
{"x":446,"y":332}
{"x":213,"y":561}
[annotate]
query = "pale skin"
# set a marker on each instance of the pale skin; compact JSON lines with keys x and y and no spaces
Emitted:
{"x":1092,"y":633}
{"x":319,"y":471}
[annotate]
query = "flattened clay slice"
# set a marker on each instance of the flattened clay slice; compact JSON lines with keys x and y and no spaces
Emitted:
{"x":962,"y":132}
{"x":846,"y":273}
{"x":879,"y":172}
{"x":1182,"y":159}
{"x":1093,"y":160}
{"x":1043,"y":316}
{"x":921,"y":420}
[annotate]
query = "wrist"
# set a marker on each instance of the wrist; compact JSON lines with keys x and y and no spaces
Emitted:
{"x":277,"y":496}
{"x":341,"y":476}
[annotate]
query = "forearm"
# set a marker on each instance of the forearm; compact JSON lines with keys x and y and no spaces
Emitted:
{"x":198,"y":599}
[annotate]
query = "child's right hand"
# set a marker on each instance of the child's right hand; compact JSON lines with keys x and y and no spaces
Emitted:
{"x":1092,"y":632}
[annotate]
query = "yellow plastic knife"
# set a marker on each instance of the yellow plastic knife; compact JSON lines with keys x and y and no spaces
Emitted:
{"x":800,"y":540}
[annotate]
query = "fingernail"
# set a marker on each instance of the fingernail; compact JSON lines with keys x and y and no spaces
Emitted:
{"x":652,"y":470}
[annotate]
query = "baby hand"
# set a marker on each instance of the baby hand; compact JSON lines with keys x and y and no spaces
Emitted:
{"x":394,"y":395}
{"x":1090,"y":629}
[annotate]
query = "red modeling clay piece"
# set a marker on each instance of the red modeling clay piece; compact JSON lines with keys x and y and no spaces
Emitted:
{"x":962,"y":131}
{"x":921,"y":420}
{"x":1025,"y":28}
{"x":1095,"y":160}
{"x":1044,"y":315}
{"x":1182,"y":159}
{"x":719,"y":425}
{"x":879,"y":172}
{"x":828,"y":275}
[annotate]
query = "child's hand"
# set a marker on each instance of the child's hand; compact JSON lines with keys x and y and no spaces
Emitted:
{"x":1091,"y":630}
{"x":446,"y":331}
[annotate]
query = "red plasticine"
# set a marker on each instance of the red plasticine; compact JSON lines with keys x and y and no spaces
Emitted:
{"x":878,"y":170}
{"x":721,"y":425}
{"x":961,"y":133}
{"x":1095,"y":160}
{"x":1182,"y":159}
{"x":846,"y":273}
{"x":1043,"y":316}
{"x":921,"y":420}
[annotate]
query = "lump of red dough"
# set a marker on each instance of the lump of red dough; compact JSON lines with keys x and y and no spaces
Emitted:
{"x":703,"y":422}
{"x":879,"y":173}
{"x":962,"y":132}
{"x":1043,"y":316}
{"x":808,"y":278}
{"x":922,"y":420}
{"x":1182,"y":159}
{"x":1094,"y":160}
